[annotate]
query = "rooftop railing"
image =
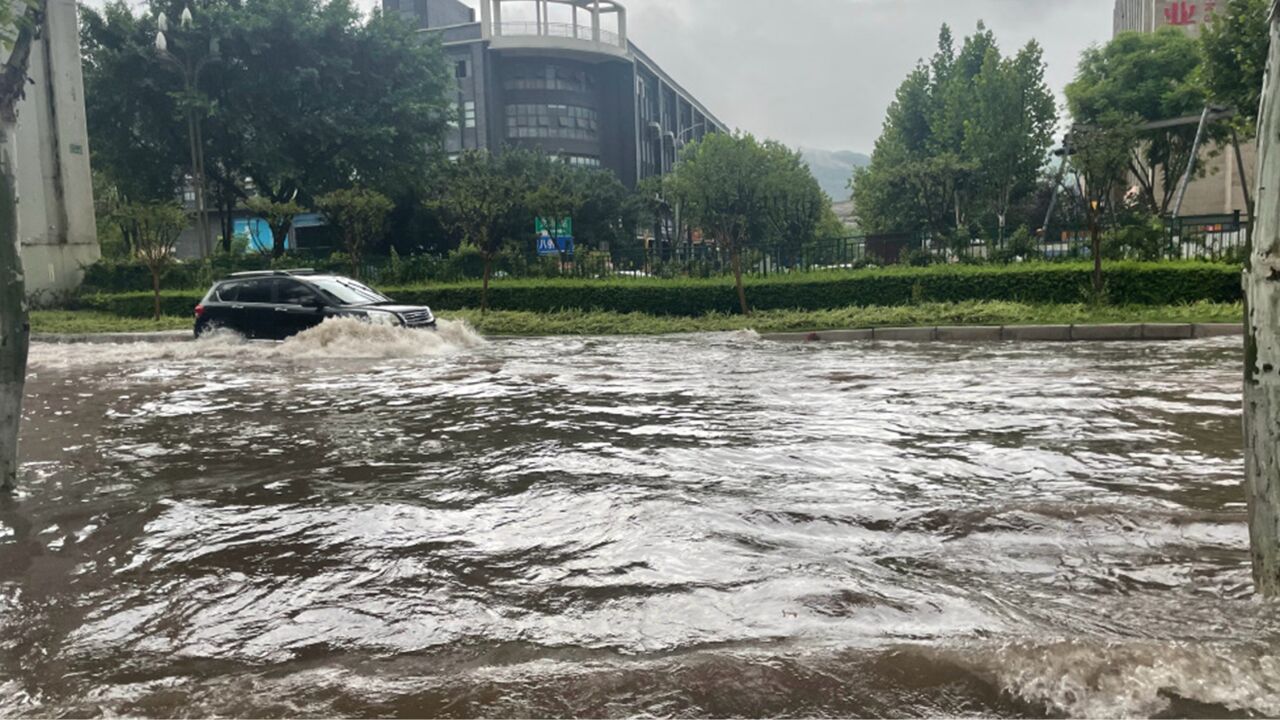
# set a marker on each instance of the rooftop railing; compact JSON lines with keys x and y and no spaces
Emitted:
{"x":559,"y":30}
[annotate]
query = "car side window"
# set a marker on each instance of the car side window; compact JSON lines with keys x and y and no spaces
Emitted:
{"x":292,"y":292}
{"x":229,"y":292}
{"x":255,"y":291}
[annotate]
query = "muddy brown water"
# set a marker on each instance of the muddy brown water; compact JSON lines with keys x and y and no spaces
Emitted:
{"x":365,"y":523}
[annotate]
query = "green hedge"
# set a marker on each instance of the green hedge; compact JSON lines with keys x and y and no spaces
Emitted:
{"x":1126,"y":284}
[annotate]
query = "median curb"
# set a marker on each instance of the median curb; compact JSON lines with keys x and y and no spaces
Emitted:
{"x":1130,"y":332}
{"x":165,"y":336}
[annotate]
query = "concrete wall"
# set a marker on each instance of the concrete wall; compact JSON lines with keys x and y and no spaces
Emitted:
{"x":55,"y":205}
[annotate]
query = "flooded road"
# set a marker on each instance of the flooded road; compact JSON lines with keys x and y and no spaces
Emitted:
{"x":709,"y":525}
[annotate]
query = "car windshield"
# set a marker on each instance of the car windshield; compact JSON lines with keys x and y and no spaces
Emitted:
{"x":348,"y":292}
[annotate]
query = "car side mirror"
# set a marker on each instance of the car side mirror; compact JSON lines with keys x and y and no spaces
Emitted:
{"x":313,"y":303}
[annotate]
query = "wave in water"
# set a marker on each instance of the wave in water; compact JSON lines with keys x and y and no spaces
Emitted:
{"x":340,"y":338}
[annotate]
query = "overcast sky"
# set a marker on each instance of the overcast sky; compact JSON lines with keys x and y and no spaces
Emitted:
{"x":820,"y":73}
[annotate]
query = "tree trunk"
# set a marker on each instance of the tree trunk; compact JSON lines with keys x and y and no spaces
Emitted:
{"x":484,"y":291}
{"x":15,"y":327}
{"x":155,"y":289}
{"x":1095,"y":234}
{"x":735,"y":257}
{"x":1262,"y":342}
{"x":279,"y":236}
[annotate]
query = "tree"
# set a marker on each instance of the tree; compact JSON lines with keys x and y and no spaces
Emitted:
{"x":279,"y":217}
{"x":1262,"y":342}
{"x":1012,"y":130}
{"x":155,"y":228}
{"x":361,"y":216}
{"x":19,"y":25}
{"x":965,"y":138}
{"x":736,"y":189}
{"x":1137,"y":78}
{"x":308,"y":97}
{"x":1100,"y":158}
{"x":1234,"y":46}
{"x":486,"y":198}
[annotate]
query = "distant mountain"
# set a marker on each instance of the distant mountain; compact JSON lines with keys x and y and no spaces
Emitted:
{"x":833,"y":169}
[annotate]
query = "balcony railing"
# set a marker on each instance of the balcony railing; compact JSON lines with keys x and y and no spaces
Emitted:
{"x":558,"y":30}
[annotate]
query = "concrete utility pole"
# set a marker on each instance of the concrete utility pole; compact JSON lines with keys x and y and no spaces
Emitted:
{"x":1262,"y":339}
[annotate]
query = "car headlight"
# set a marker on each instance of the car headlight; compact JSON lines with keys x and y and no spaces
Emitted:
{"x":385,"y":318}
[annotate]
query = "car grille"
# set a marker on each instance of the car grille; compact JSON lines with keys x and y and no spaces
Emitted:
{"x":418,"y":318}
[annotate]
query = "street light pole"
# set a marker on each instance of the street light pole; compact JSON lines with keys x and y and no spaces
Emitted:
{"x":189,"y":68}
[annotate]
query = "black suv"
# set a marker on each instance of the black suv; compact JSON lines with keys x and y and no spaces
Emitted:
{"x":280,"y":304}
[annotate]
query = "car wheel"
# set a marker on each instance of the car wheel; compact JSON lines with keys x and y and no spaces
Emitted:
{"x":205,"y":329}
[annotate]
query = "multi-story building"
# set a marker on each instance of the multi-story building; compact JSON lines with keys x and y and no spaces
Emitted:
{"x":1150,"y":15}
{"x":1222,"y":189}
{"x":565,"y":79}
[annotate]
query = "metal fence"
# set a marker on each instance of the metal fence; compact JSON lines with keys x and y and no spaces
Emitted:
{"x":1211,"y":238}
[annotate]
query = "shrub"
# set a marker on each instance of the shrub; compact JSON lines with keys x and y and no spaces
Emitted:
{"x":1128,"y":283}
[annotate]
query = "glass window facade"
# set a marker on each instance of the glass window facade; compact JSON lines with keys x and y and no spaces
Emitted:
{"x":566,"y":122}
{"x":548,"y":77}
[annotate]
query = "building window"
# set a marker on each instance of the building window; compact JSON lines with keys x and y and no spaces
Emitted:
{"x":548,"y":77}
{"x":469,"y":114}
{"x":462,"y":69}
{"x":567,"y":122}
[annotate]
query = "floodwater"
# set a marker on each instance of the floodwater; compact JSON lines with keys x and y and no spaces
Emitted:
{"x":365,"y":522}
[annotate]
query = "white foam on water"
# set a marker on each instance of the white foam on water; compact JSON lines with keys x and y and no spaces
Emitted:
{"x":339,"y":338}
{"x":1133,"y":680}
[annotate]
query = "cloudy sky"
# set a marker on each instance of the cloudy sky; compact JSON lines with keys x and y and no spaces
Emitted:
{"x":820,"y":73}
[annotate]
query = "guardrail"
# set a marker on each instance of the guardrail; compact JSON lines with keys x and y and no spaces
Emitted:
{"x":559,"y":30}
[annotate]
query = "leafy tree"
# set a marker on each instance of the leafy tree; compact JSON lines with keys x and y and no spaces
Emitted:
{"x":1012,"y":130}
{"x":155,"y":228}
{"x":19,"y":24}
{"x":1234,"y":45}
{"x":361,"y":216}
{"x":738,"y":190}
{"x":1143,"y":77}
{"x":966,"y":136}
{"x":308,"y":97}
{"x":1100,"y":158}
{"x":279,"y":217}
{"x":486,"y":198}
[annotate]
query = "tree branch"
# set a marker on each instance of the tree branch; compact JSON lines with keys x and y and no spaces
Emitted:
{"x":13,"y":75}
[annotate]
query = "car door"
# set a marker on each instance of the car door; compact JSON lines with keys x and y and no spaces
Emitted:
{"x":253,"y":310}
{"x":218,"y":312}
{"x":297,"y":308}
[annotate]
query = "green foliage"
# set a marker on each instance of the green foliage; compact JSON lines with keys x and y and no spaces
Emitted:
{"x":301,"y":97}
{"x":965,"y":139}
{"x":361,"y":216}
{"x":1168,"y":283}
{"x":580,"y":322}
{"x":742,"y":192}
{"x":1234,"y":45}
{"x":987,"y":313}
{"x":279,"y":217}
{"x":1146,"y":242}
{"x":1142,"y":77}
{"x":154,"y":228}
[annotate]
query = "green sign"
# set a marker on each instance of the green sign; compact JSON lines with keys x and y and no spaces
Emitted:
{"x":547,"y":228}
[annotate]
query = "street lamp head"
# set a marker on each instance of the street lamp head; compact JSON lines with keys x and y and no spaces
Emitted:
{"x":161,"y":44}
{"x":187,"y":20}
{"x":162,"y":22}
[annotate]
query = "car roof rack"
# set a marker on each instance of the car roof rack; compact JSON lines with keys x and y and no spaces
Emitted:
{"x":274,"y":273}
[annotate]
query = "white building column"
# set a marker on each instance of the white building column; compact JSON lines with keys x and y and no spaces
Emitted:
{"x":486,"y":19}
